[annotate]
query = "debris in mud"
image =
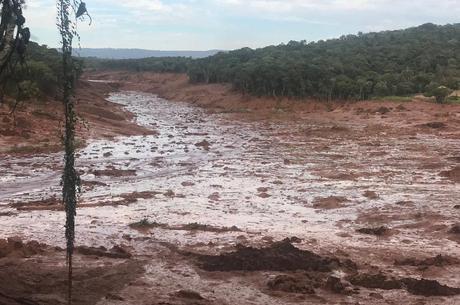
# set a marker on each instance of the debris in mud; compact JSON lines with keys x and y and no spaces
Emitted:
{"x":382,"y":110}
{"x":189,"y":294}
{"x":264,"y":195}
{"x":92,"y":184}
{"x":54,"y":204}
{"x":113,"y":172}
{"x":114,"y":297}
{"x":15,"y":247}
{"x":293,"y":284}
{"x":7,"y":214}
{"x":335,"y":284}
{"x":45,"y":202}
{"x":337,"y":175}
{"x":438,"y":260}
{"x":187,"y":183}
{"x":415,"y":286}
{"x":405,"y":202}
{"x":207,"y":228}
{"x":280,"y":256}
{"x":140,"y":195}
{"x":116,"y":252}
{"x":41,"y":281}
{"x":455,"y":229}
{"x":370,"y":195}
{"x":455,"y":159}
{"x":434,"y":125}
{"x":375,"y":281}
{"x":331,"y":202}
{"x":172,"y":194}
{"x":214,"y":196}
{"x":377,"y":296}
{"x":378,"y":231}
{"x":145,"y":225}
{"x":203,"y":144}
{"x":294,"y":240}
{"x":452,"y":174}
{"x":337,"y":128}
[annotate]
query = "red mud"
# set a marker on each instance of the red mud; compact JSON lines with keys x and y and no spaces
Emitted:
{"x":340,"y":266}
{"x":36,"y":125}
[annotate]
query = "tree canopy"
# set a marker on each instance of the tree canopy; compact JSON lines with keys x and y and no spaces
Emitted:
{"x":354,"y":66}
{"x":402,"y":62}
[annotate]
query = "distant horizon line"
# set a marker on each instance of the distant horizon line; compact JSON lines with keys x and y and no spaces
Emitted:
{"x":242,"y":47}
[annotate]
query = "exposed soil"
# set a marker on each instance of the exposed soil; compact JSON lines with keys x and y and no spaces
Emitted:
{"x":415,"y":286}
{"x":281,"y":256}
{"x":452,"y":174}
{"x":34,"y":273}
{"x":438,"y":260}
{"x":190,"y":213}
{"x":36,"y":125}
{"x":145,"y":225}
{"x":332,"y":202}
{"x":379,"y":231}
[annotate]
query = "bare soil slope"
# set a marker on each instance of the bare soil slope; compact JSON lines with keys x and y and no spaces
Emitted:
{"x":36,"y":125}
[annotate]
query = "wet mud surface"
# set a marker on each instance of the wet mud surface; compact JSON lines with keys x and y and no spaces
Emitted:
{"x":195,"y":213}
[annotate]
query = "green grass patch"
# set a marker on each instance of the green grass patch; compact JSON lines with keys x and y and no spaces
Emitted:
{"x":453,"y":100}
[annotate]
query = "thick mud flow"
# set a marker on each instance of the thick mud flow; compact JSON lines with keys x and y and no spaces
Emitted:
{"x":207,"y":182}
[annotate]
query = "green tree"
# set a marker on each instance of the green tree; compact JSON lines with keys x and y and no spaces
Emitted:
{"x":440,"y":93}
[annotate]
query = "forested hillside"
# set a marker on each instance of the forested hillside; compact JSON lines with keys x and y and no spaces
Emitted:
{"x":403,"y":62}
{"x":38,"y":74}
{"x":354,"y":66}
{"x":152,"y":64}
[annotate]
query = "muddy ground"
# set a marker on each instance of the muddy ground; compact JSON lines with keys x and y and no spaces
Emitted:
{"x":227,"y":199}
{"x":35,"y":126}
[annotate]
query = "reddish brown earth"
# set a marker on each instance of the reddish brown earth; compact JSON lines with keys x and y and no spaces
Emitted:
{"x":400,"y":251}
{"x":35,"y":125}
{"x":420,"y":111}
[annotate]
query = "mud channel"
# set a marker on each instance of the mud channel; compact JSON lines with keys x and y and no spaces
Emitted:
{"x":199,"y":213}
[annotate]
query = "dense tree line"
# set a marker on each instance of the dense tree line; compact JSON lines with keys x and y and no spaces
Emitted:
{"x":152,"y":64}
{"x":354,"y":66}
{"x":39,"y":74}
{"x":403,"y":62}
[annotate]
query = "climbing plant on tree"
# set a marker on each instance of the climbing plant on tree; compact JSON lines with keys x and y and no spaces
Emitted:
{"x":14,"y":38}
{"x":70,"y":178}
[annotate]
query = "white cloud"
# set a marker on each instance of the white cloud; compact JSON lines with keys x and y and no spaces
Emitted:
{"x":204,"y":24}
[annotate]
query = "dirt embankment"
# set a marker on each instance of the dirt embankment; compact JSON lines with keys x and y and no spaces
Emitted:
{"x":32,"y":273}
{"x":420,"y":113}
{"x":36,"y":126}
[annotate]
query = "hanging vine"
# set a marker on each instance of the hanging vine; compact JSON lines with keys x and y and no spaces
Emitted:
{"x":70,"y":177}
{"x":14,"y":38}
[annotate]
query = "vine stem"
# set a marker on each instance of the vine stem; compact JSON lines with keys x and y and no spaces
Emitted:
{"x":70,"y":179}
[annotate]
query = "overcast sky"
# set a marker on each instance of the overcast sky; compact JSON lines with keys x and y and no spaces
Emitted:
{"x":231,"y":24}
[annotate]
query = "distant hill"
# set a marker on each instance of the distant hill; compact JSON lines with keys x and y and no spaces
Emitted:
{"x":389,"y":63}
{"x":402,"y":62}
{"x":109,"y":53}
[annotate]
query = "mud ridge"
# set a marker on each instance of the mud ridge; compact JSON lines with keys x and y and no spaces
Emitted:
{"x":280,"y":256}
{"x":422,"y":287}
